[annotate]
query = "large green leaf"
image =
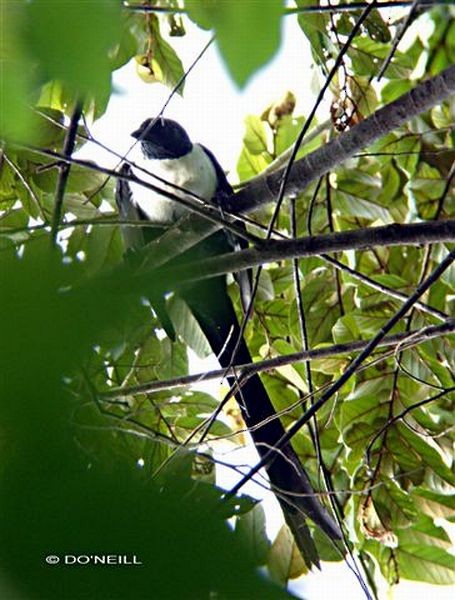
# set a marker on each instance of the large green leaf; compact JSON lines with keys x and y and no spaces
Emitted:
{"x":250,"y":528}
{"x":70,"y":41}
{"x":426,"y":563}
{"x":160,"y":63}
{"x":15,"y":117}
{"x":248,"y":33}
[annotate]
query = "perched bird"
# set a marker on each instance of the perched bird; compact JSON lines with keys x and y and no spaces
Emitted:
{"x":168,"y":152}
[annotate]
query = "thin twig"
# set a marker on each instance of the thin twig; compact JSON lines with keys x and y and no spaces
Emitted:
{"x":25,"y":183}
{"x":408,"y":339}
{"x":342,"y":7}
{"x":400,"y":416}
{"x":398,"y":37}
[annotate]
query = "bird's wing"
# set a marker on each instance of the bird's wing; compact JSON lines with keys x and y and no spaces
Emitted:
{"x":136,"y":237}
{"x":224,"y":190}
{"x":224,"y":187}
{"x":128,"y":211}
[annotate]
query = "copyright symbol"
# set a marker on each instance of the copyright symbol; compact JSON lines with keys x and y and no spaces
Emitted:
{"x":52,"y":559}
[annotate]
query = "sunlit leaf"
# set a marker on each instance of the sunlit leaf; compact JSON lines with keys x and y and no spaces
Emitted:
{"x":284,"y":560}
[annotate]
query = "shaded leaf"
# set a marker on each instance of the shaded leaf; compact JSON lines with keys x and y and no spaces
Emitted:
{"x":250,"y":527}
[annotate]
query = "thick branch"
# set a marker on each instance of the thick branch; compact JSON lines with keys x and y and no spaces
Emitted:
{"x":275,"y":250}
{"x":423,"y":97}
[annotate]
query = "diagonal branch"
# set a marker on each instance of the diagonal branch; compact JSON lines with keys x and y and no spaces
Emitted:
{"x":68,"y":149}
{"x":423,"y":97}
{"x":403,"y":340}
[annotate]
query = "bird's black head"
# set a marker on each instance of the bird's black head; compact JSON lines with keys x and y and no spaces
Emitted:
{"x":163,"y":139}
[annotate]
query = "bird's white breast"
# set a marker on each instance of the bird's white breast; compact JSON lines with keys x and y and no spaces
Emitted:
{"x":193,"y":172}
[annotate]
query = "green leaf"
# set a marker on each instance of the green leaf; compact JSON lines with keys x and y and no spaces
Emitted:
{"x":15,"y":116}
{"x":367,"y":403}
{"x":266,"y":291}
{"x":200,"y":12}
{"x":70,"y":41}
{"x":345,"y":330}
{"x":283,"y":397}
{"x":288,"y":128}
{"x":356,"y":440}
{"x":53,"y":95}
{"x":367,"y":55}
{"x":7,"y":184}
{"x":428,"y":455}
{"x":46,"y":130}
{"x":407,"y":151}
{"x":250,"y":165}
{"x":187,"y":327}
{"x":250,"y":527}
{"x":199,"y":403}
{"x":349,"y":205}
{"x":426,"y":563}
{"x":424,"y":533}
{"x":285,"y":561}
{"x":294,"y":374}
{"x":80,"y":180}
{"x":377,"y":27}
{"x":395,"y":507}
{"x":255,"y":137}
{"x":12,"y":220}
{"x":247,"y":33}
{"x":162,"y":64}
{"x":394,"y":89}
{"x":126,"y":46}
{"x":390,"y":185}
{"x":314,"y":26}
{"x":434,"y":504}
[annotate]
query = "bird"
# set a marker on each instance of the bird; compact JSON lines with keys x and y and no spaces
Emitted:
{"x":167,"y":151}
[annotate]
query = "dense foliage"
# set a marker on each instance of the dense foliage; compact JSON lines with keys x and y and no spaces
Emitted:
{"x":91,"y":434}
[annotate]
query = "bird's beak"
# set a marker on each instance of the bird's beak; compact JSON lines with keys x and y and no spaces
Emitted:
{"x":137,"y":134}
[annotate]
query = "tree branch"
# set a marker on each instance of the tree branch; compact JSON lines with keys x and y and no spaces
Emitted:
{"x":68,"y":149}
{"x":276,"y":250}
{"x":342,"y":7}
{"x":404,"y":340}
{"x":423,"y":97}
{"x":192,"y":229}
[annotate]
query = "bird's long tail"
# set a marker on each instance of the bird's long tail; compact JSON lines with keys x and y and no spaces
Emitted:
{"x":213,"y":309}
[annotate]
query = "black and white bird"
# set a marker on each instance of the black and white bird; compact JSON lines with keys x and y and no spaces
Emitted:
{"x":168,"y":152}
